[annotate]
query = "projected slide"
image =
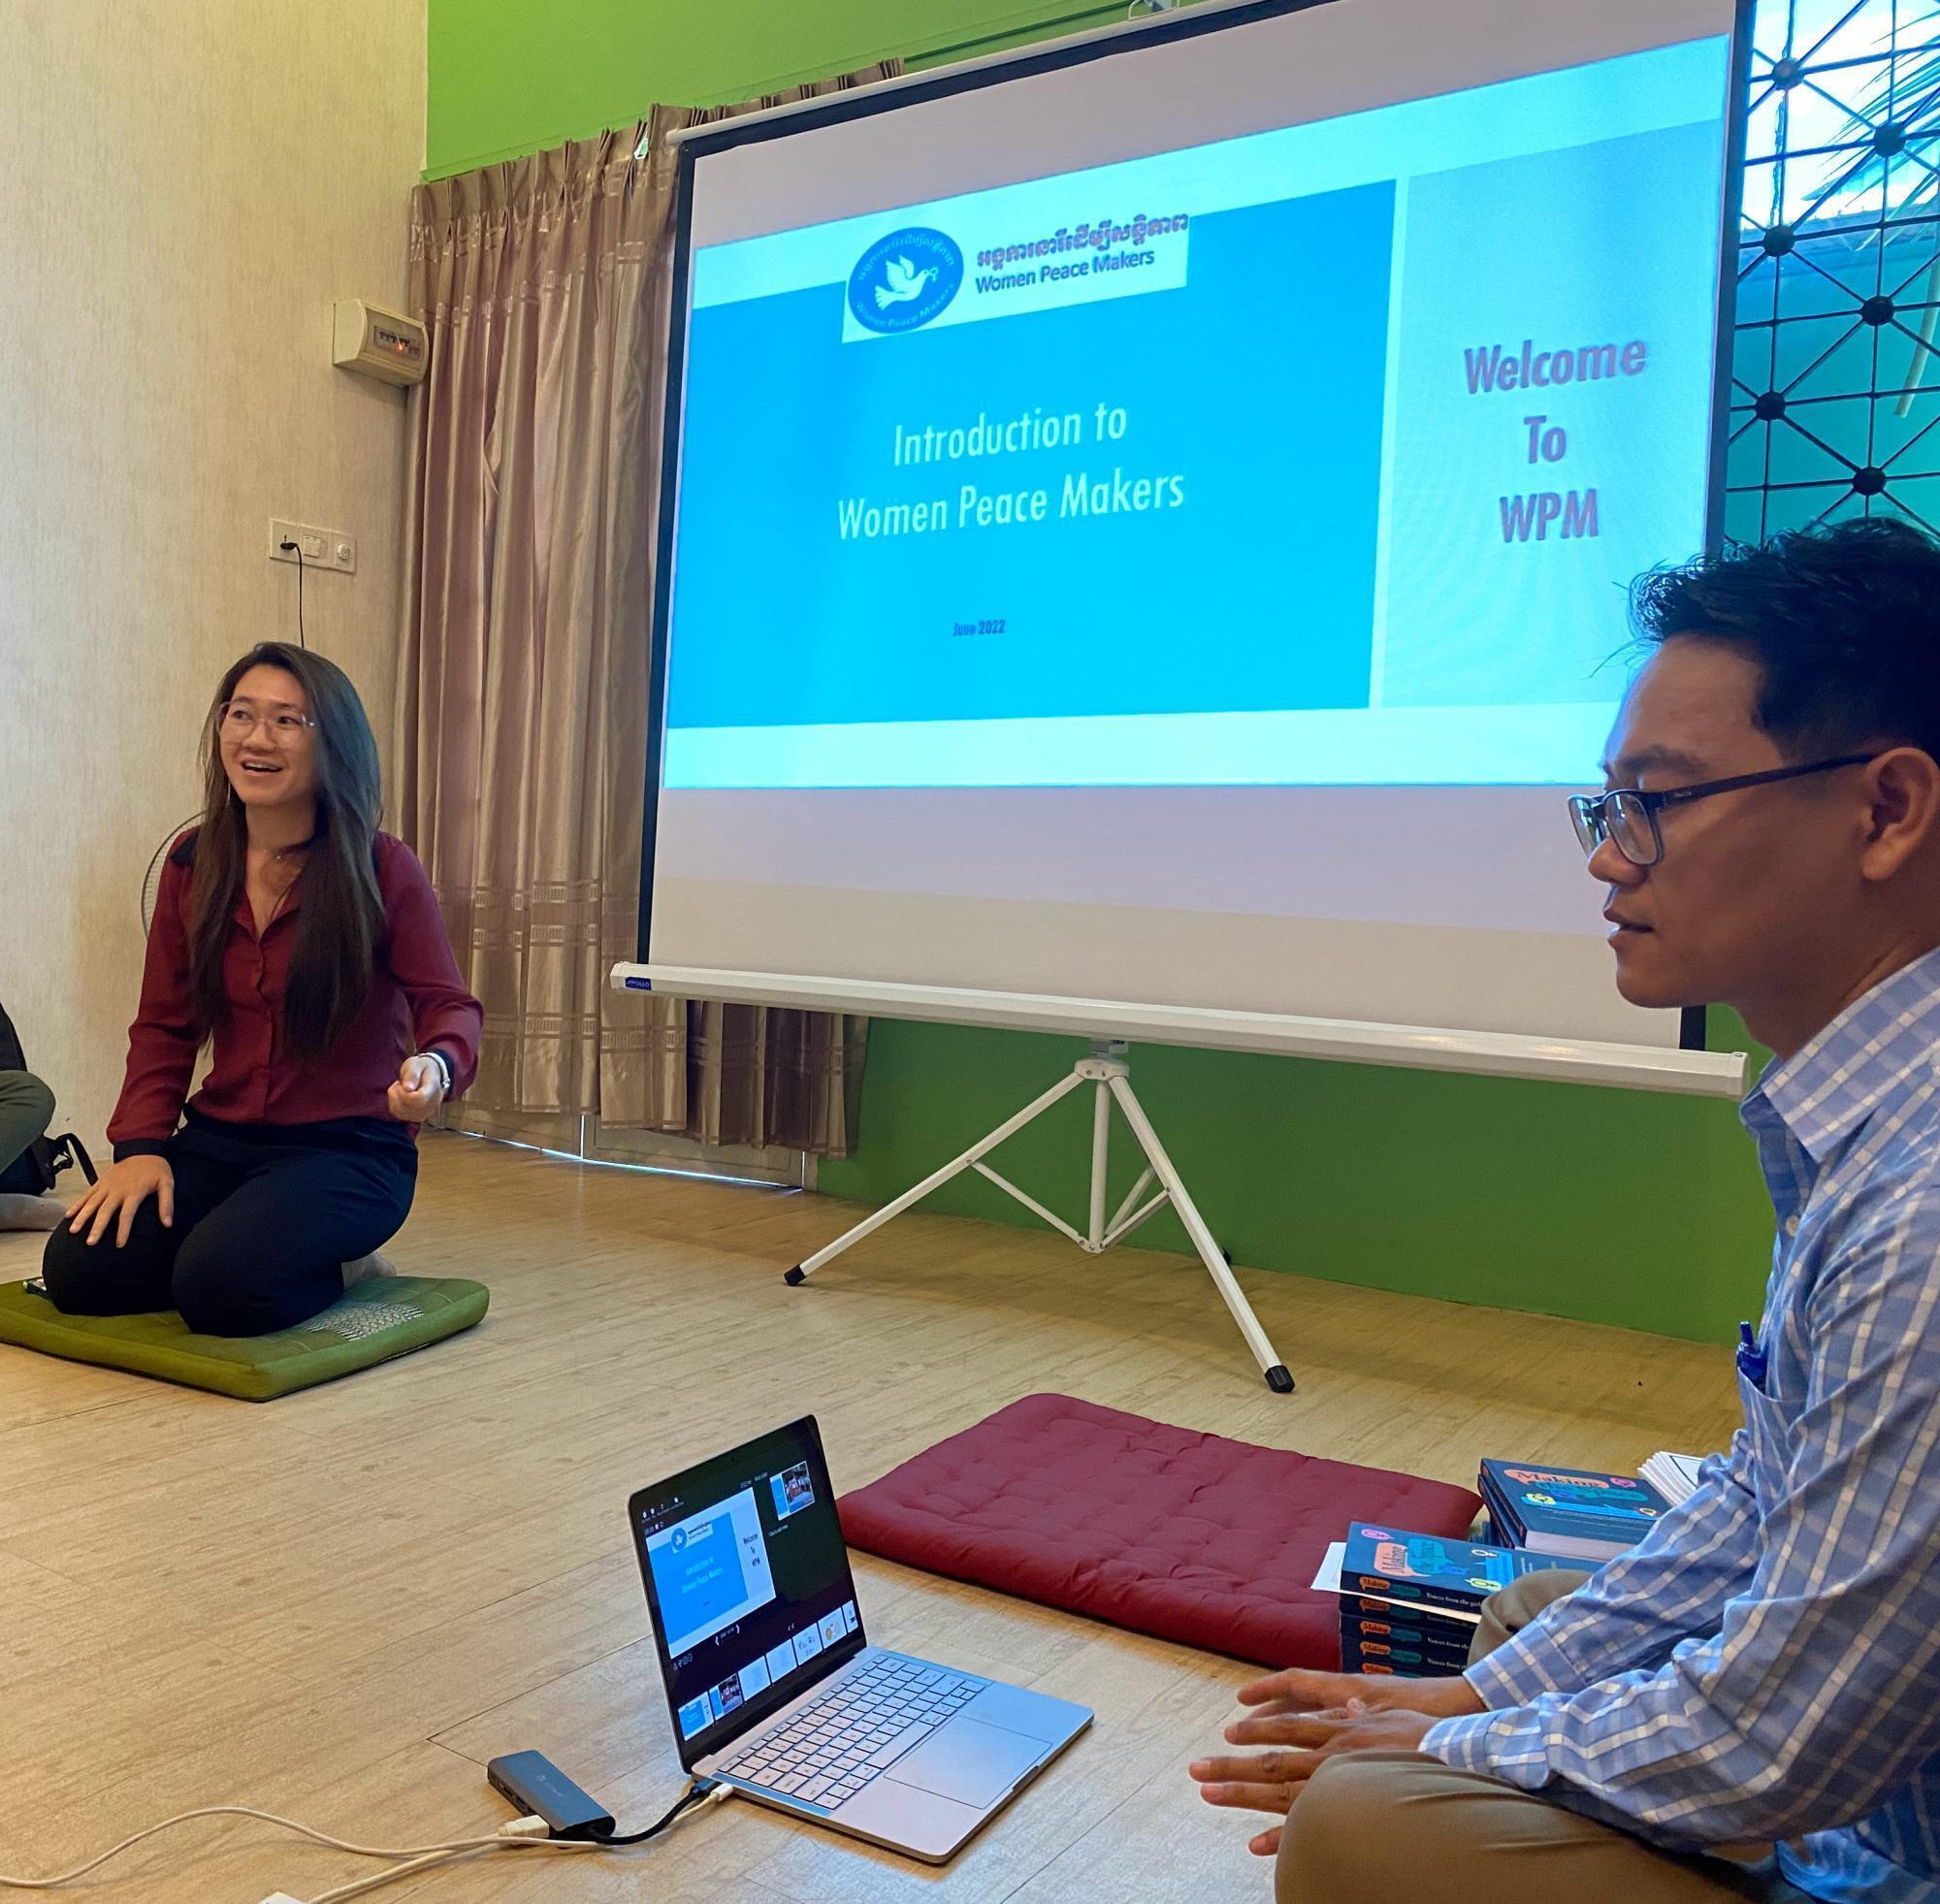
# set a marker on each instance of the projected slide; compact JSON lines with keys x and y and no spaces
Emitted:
{"x":1309,"y":457}
{"x":710,"y":1571}
{"x":1151,"y":522}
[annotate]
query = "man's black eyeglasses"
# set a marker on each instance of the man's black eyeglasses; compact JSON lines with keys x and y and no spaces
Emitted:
{"x":1628,"y":814}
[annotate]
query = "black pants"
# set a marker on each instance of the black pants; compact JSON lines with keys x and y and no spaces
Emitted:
{"x":266,"y":1217}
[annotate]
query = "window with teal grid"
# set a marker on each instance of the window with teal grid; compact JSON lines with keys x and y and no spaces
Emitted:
{"x":1835,"y":390}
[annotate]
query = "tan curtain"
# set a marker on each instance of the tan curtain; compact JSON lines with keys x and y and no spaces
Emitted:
{"x":522,"y":716}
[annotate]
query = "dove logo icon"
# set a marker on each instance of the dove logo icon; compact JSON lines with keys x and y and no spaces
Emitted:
{"x":905,"y":279}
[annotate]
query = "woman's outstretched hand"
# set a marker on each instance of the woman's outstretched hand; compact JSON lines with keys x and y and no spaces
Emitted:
{"x":122,"y":1190}
{"x":418,"y":1091}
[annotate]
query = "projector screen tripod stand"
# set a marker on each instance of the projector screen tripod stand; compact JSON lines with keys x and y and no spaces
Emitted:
{"x":1110,"y":1076}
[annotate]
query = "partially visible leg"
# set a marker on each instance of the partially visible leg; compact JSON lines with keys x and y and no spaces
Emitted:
{"x":1375,"y":1827}
{"x":104,"y":1278}
{"x":271,"y":1255}
{"x":26,"y":1109}
{"x":1516,"y":1605}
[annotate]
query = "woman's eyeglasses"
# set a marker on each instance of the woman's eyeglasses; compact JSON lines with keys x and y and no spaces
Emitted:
{"x":237,"y":720}
{"x":1627,"y":816}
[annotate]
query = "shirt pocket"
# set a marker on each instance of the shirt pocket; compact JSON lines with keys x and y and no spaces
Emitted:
{"x":1769,"y":1435}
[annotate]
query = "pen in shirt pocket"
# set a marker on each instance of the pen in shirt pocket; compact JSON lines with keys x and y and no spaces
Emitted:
{"x":1751,"y":1358}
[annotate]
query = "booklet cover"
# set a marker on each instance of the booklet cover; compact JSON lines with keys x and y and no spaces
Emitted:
{"x":1408,"y":1663}
{"x":1358,"y":1629}
{"x":1453,"y":1625}
{"x":1394,"y":1565}
{"x":1571,"y":1512}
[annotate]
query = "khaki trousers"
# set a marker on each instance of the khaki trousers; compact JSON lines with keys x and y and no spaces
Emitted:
{"x":1401,"y":1828}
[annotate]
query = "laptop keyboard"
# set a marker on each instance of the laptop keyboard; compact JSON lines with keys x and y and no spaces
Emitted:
{"x":830,"y":1750}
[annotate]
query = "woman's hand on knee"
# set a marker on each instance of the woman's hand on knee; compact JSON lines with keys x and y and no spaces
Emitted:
{"x":122,"y":1190}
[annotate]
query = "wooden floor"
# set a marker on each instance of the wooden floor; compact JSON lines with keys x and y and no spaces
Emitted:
{"x":342,"y":1604}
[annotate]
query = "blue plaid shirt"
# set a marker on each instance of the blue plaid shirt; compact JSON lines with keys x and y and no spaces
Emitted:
{"x":1765,"y":1669}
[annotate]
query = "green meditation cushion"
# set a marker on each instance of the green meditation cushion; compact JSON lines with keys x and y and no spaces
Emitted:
{"x":377,"y":1319}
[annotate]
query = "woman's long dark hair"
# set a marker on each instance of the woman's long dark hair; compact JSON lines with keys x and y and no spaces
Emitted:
{"x":342,"y":912}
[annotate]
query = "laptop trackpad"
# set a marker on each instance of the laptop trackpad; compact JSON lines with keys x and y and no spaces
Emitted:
{"x":969,"y":1761}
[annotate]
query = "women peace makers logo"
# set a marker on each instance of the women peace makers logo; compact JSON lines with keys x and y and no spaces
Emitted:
{"x":905,"y":279}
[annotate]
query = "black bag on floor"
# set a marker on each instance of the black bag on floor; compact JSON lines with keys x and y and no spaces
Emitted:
{"x":33,"y":1172}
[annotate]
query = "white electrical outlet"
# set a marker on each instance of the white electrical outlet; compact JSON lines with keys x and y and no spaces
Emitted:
{"x":320,"y":548}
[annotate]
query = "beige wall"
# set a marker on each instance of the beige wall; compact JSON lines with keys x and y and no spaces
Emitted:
{"x":188,"y":184}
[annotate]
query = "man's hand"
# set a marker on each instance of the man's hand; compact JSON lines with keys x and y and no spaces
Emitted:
{"x":1271,"y":1781}
{"x":1305,"y":1718}
{"x":1299,"y":1690}
{"x":418,"y":1091}
{"x":122,"y":1190}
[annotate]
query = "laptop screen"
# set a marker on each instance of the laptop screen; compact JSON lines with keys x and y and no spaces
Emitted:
{"x":748,"y":1581}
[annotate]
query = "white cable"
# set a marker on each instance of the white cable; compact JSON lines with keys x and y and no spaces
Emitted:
{"x":519,"y":1831}
{"x":361,"y":1885}
{"x":358,"y":1886}
{"x":268,"y":1817}
{"x":508,"y":1837}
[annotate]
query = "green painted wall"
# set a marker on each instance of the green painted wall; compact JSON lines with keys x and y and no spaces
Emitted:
{"x":508,"y":77}
{"x":1614,"y":1206}
{"x":1621,"y":1207}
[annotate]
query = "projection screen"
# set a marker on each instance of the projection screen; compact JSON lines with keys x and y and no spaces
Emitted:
{"x":1148,"y":520}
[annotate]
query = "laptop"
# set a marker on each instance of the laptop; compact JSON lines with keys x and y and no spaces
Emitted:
{"x":772,"y":1680}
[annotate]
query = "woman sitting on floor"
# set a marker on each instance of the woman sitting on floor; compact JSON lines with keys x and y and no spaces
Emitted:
{"x":307,"y":947}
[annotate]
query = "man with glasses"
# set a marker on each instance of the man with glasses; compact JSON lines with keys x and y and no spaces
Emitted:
{"x":1748,"y":1703}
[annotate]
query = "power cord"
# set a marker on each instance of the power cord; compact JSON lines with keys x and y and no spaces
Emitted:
{"x":290,"y":548}
{"x":519,"y":1832}
{"x":509,"y":1835}
{"x":702,"y":1792}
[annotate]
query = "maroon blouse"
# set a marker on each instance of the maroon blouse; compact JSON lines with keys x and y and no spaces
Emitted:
{"x":417,"y":1002}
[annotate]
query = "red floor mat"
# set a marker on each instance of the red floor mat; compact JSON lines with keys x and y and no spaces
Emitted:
{"x":1188,"y":1536}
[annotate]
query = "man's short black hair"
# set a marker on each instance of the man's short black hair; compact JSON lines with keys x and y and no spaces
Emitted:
{"x":1842,"y":622}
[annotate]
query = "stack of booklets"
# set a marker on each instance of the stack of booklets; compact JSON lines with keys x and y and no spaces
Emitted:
{"x":1411,"y":1602}
{"x":1673,"y":1476}
{"x":1570,"y":1514}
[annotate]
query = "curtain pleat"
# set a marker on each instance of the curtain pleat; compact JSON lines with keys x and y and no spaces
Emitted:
{"x":523,"y":668}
